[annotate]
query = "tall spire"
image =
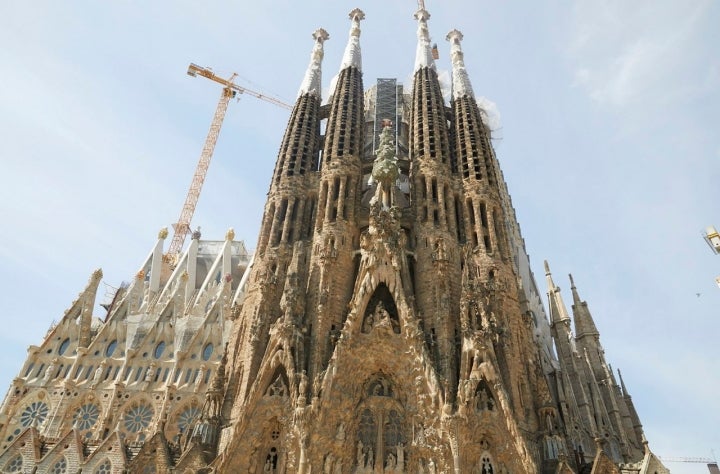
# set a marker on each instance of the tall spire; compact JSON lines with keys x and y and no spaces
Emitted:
{"x":461,"y":81}
{"x":312,"y":83}
{"x":584,"y":323}
{"x":423,"y":56}
{"x":558,"y":312}
{"x":352,"y":56}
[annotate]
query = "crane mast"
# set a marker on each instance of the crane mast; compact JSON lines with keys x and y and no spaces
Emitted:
{"x":182,"y":227}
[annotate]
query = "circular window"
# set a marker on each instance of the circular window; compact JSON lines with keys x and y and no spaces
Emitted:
{"x":111,"y":348}
{"x":63,"y":346}
{"x":159,"y":349}
{"x":187,"y":418}
{"x":138,"y":418}
{"x":86,"y":416}
{"x":35,"y":412}
{"x":207,"y":351}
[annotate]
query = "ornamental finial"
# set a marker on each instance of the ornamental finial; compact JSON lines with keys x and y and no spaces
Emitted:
{"x":230,"y":234}
{"x":312,"y":83}
{"x":352,"y":57}
{"x":460,"y":79}
{"x":163,"y":233}
{"x":423,"y":55}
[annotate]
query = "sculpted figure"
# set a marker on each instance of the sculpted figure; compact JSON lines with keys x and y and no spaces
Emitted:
{"x":150,"y":373}
{"x":391,"y":463}
{"x":302,"y":389}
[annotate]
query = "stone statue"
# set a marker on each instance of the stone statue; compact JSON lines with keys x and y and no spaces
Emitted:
{"x":98,"y":373}
{"x":302,"y":388}
{"x":329,"y":461}
{"x":50,"y":369}
{"x":150,"y":373}
{"x":200,"y":377}
{"x":340,"y":435}
{"x":391,"y":462}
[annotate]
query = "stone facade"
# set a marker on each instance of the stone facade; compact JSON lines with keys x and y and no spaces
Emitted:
{"x":388,"y":321}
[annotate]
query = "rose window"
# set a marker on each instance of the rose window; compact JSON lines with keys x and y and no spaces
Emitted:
{"x":86,"y":416}
{"x":35,"y":412}
{"x":187,"y":418}
{"x":138,"y":418}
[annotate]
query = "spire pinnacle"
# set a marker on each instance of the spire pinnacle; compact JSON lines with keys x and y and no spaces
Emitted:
{"x":352,"y":57}
{"x":584,"y":323}
{"x":576,"y":295}
{"x":312,"y":83}
{"x":551,"y":283}
{"x":423,"y":56}
{"x":622,"y":384}
{"x":461,"y":86}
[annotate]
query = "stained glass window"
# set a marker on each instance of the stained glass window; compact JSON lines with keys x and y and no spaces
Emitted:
{"x":159,"y":349}
{"x":187,"y":418}
{"x":59,"y":467}
{"x":104,"y":468}
{"x":63,"y":346}
{"x":137,"y":418}
{"x":15,"y":464}
{"x":35,"y":412}
{"x":207,"y":352}
{"x":111,"y":348}
{"x":86,"y":416}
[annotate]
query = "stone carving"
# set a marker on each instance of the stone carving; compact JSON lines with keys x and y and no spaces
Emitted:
{"x":150,"y":373}
{"x":277,"y":388}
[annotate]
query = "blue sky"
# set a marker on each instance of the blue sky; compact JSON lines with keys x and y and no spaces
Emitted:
{"x":607,"y":135}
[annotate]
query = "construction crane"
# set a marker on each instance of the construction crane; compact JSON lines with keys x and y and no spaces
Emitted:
{"x":230,"y":90}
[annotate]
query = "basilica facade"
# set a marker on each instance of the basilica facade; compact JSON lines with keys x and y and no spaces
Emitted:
{"x":388,"y":320}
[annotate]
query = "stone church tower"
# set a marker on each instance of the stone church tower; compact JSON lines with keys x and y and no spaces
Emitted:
{"x":388,"y":321}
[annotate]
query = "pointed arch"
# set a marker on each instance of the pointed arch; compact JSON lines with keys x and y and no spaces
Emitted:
{"x":15,"y":464}
{"x":182,"y":419}
{"x":484,"y":397}
{"x":381,"y":310}
{"x":486,"y":464}
{"x":105,"y":467}
{"x":59,"y":466}
{"x":279,"y":385}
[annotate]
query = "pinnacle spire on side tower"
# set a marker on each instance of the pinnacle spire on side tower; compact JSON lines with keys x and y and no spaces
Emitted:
{"x":558,"y":312}
{"x":461,"y":86}
{"x":584,"y":323}
{"x":312,"y":83}
{"x":352,"y":56}
{"x":423,"y":56}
